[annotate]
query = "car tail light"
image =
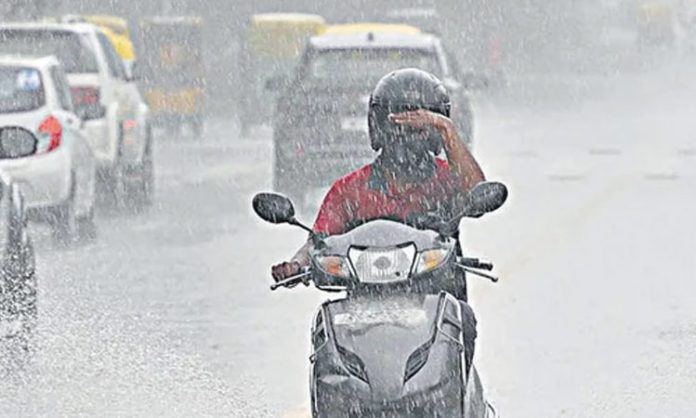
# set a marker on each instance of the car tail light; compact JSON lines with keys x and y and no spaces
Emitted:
{"x":87,"y":102}
{"x":130,"y":124}
{"x":52,"y":129}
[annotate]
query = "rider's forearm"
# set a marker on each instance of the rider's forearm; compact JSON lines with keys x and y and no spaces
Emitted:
{"x":462,"y":164}
{"x":302,"y":255}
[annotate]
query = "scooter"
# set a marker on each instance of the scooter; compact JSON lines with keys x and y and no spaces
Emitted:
{"x":393,"y":346}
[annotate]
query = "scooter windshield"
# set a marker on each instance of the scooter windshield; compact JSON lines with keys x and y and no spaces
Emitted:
{"x":383,"y":234}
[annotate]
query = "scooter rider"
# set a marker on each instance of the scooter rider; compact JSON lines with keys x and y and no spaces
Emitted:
{"x":409,"y":124}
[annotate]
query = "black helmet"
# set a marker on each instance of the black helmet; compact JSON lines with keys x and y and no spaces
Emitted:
{"x":400,"y":91}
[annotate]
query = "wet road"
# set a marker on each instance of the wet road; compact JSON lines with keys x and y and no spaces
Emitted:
{"x":169,"y":313}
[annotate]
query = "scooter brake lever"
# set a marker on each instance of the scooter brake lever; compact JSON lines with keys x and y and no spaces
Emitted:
{"x":490,"y":277}
{"x":296,"y":279}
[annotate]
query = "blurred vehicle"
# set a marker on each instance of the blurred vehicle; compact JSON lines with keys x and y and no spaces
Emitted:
{"x":425,"y":18}
{"x":18,"y":299}
{"x":116,"y":120}
{"x":320,"y":124}
{"x":394,"y":344}
{"x":272,"y":47}
{"x":116,"y":29}
{"x":656,"y":23}
{"x":42,"y":146}
{"x":173,"y":74}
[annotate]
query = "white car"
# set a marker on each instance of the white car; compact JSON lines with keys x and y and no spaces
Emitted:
{"x":42,"y":147}
{"x":116,"y":118}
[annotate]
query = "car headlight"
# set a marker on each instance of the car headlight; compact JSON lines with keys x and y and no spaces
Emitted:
{"x":430,"y":260}
{"x":382,"y":265}
{"x":334,"y":265}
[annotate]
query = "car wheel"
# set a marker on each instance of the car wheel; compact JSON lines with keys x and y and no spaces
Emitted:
{"x":28,"y":312}
{"x":140,"y":186}
{"x":197,"y":126}
{"x":111,"y":180}
{"x":63,"y":220}
{"x":112,"y":185}
{"x":87,"y":227}
{"x":284,"y":178}
{"x":172,"y":128}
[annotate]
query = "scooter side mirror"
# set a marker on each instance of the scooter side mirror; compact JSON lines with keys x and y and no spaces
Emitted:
{"x":274,"y":208}
{"x":485,"y":197}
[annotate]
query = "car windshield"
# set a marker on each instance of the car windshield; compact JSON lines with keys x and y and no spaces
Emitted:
{"x":21,"y":89}
{"x":340,"y":65}
{"x":75,"y":56}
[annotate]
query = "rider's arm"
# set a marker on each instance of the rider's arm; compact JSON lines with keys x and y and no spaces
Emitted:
{"x":301,"y":257}
{"x":330,"y":221}
{"x":464,"y":168}
{"x":294,"y":266}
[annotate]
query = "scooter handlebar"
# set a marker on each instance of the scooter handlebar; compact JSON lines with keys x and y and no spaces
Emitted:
{"x":476,"y":263}
{"x":293,"y":281}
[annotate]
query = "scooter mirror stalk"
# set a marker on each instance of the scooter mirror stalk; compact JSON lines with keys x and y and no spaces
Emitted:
{"x":485,"y":197}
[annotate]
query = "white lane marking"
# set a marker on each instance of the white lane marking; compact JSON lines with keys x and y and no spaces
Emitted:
{"x":661,"y":176}
{"x":605,"y":151}
{"x":687,"y":152}
{"x":566,"y":177}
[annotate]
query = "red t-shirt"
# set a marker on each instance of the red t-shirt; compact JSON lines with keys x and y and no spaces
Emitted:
{"x":364,"y":195}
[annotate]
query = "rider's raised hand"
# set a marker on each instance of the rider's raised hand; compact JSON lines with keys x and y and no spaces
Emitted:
{"x":418,"y":119}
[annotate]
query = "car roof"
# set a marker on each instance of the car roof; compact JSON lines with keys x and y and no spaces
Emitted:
{"x":49,"y":25}
{"x":380,"y":40}
{"x":107,"y":19}
{"x":28,"y":61}
{"x":286,"y":17}
{"x":353,"y":28}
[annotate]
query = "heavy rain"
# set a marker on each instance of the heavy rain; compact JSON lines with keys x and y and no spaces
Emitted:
{"x":530,"y":164}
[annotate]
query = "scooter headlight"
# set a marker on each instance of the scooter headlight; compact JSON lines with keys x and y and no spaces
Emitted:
{"x":382,"y":265}
{"x":334,"y":265}
{"x":430,"y":260}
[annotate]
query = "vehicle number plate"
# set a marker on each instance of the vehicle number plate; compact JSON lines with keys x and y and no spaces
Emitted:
{"x":403,"y":317}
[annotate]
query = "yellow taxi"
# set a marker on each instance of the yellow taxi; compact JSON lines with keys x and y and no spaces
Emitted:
{"x":116,"y":29}
{"x":656,"y":22}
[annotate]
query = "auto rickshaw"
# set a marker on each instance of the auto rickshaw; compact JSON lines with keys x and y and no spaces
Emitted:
{"x":656,"y":23}
{"x":172,"y":72}
{"x":271,"y":49}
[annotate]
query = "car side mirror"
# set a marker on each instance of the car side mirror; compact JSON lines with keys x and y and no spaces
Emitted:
{"x":475,"y":81}
{"x":16,"y":142}
{"x":276,"y":83}
{"x":90,"y":111}
{"x":485,"y":197}
{"x":451,"y":84}
{"x":132,"y":71}
{"x":274,"y":208}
